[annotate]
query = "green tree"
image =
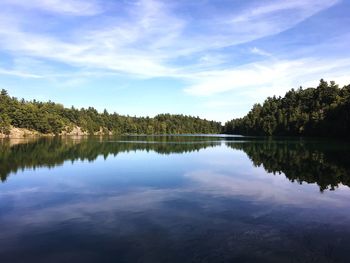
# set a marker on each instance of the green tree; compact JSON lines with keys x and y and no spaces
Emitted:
{"x":323,"y":111}
{"x":5,"y":124}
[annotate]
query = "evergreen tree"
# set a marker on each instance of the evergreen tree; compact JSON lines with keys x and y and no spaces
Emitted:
{"x":50,"y":117}
{"x":323,"y":111}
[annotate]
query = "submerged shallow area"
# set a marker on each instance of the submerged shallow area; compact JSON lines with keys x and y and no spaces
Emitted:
{"x":174,"y":199}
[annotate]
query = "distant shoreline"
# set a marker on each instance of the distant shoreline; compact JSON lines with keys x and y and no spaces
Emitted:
{"x":20,"y":133}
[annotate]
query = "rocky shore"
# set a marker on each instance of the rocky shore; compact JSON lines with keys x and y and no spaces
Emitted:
{"x":16,"y":133}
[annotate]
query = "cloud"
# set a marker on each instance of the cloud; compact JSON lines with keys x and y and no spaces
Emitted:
{"x":71,"y":7}
{"x":118,"y":46}
{"x":148,"y":36}
{"x":271,"y":17}
{"x":283,"y":75}
{"x":260,"y":52}
{"x":265,"y":187}
{"x":271,"y":9}
{"x":18,"y":74}
{"x":207,"y":48}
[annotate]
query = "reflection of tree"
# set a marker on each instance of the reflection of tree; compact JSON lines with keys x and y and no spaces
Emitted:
{"x":324,"y":163}
{"x":46,"y":152}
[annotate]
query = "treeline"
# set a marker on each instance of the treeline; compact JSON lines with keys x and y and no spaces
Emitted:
{"x":321,"y":111}
{"x":50,"y":117}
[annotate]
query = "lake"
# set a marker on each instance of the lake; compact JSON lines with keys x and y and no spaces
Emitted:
{"x":174,"y":199}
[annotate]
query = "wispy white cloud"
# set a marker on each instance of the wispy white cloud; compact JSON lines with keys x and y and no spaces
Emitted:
{"x":284,"y":75}
{"x":18,"y":73}
{"x":271,"y":8}
{"x":265,"y":188}
{"x":71,"y":7}
{"x":149,"y":35}
{"x":260,"y":52}
{"x":271,"y":17}
{"x":151,"y":38}
{"x":127,"y":47}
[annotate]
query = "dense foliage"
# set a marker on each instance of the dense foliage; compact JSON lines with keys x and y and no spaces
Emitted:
{"x":321,"y":111}
{"x":49,"y":117}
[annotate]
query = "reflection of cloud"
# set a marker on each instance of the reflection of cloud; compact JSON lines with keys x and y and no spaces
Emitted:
{"x":270,"y":188}
{"x":87,"y":203}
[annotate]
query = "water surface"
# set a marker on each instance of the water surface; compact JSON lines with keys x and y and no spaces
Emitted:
{"x":174,"y":199}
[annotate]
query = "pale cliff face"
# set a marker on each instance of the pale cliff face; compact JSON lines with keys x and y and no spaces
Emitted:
{"x":22,"y":132}
{"x":19,"y":133}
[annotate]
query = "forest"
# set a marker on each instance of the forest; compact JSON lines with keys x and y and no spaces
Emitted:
{"x":54,"y":118}
{"x":321,"y":111}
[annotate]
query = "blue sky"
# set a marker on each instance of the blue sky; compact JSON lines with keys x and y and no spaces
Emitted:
{"x":212,"y":59}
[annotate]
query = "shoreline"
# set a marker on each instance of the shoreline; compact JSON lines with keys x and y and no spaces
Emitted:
{"x":23,"y":133}
{"x":20,"y":133}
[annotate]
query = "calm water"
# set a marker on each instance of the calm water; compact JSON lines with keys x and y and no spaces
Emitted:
{"x":174,"y":199}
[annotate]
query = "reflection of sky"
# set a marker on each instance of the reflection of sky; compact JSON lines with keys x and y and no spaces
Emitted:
{"x":213,"y":185}
{"x":139,"y":180}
